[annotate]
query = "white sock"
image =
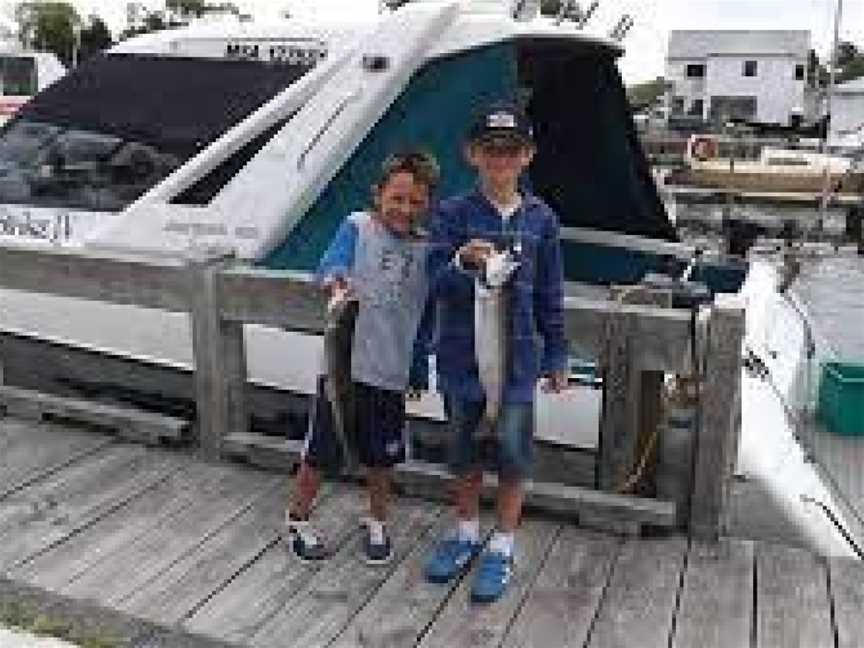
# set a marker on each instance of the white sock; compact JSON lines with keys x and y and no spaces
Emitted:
{"x":469,"y":530}
{"x":376,"y":531}
{"x":303,"y":528}
{"x":502,"y":543}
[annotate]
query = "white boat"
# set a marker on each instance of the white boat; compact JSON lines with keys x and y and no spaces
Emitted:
{"x":716,"y":162}
{"x":257,"y":140}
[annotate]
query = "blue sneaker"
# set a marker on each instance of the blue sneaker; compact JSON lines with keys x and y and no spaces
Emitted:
{"x":449,"y":559}
{"x":493,"y":573}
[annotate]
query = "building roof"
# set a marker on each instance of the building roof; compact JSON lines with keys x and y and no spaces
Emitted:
{"x":702,"y":43}
{"x":855,"y":86}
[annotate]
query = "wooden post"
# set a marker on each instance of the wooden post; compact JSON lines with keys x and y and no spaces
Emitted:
{"x":618,"y":428}
{"x":719,"y":419}
{"x":631,"y":403}
{"x":220,"y":361}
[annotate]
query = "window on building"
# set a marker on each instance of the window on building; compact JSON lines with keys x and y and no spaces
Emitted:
{"x":697,"y":107}
{"x":750,"y":68}
{"x":695,"y":71}
{"x":677,"y":105}
{"x":799,"y":72}
{"x":725,"y":108}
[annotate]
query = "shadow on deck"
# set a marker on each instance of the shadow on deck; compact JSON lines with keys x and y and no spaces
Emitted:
{"x":157,"y":549}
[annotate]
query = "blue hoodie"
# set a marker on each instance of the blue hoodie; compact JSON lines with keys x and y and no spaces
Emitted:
{"x":537,"y":306}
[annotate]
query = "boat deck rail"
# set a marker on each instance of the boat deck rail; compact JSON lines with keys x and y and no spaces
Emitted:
{"x":637,"y":343}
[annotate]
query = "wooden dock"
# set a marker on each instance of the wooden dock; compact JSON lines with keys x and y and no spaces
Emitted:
{"x":159,"y":548}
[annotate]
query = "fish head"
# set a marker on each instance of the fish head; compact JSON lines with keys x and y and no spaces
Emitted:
{"x":498,"y":269}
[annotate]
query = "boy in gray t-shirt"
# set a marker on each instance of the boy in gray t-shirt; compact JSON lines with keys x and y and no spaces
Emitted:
{"x":376,"y":258}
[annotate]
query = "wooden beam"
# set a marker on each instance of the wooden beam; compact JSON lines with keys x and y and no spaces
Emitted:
{"x":432,"y":481}
{"x":604,"y":509}
{"x":661,"y":336}
{"x":220,"y":363}
{"x":720,"y":419}
{"x":149,"y":283}
{"x":129,"y":423}
{"x":290,"y":300}
{"x":620,"y":409}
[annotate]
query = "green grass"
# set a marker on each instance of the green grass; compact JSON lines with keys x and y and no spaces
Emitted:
{"x":20,"y":616}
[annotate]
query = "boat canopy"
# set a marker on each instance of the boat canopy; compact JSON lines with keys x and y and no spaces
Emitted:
{"x":261,"y":145}
{"x":589,"y":164}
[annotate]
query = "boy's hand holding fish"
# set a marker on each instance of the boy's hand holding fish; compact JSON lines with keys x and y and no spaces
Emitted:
{"x":338,"y":289}
{"x":475,"y":252}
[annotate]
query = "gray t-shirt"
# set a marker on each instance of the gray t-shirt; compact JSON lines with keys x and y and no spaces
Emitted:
{"x":391,"y":284}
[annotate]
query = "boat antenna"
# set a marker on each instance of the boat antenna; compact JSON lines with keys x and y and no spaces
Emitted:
{"x":624,"y":25}
{"x":587,"y":14}
{"x":525,"y":10}
{"x":826,"y":175}
{"x":571,"y":10}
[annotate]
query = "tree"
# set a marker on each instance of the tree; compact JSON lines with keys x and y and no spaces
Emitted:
{"x":153,"y":21}
{"x":94,"y":38}
{"x":188,"y":9}
{"x":854,"y":69}
{"x":550,"y":7}
{"x":850,"y":61}
{"x":48,"y":27}
{"x":178,"y":13}
{"x":816,"y":72}
{"x":846,"y":53}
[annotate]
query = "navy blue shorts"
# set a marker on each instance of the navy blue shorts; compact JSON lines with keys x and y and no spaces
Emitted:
{"x":510,"y":454}
{"x":380,"y":429}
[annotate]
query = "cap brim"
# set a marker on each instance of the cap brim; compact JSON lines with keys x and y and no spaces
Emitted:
{"x":505,"y":137}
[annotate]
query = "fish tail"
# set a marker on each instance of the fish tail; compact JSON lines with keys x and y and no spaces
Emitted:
{"x":487,"y":426}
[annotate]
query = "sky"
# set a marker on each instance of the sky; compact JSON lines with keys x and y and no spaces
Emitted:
{"x":645,"y":44}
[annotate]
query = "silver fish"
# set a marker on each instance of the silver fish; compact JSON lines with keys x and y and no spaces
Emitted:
{"x":492,"y":335}
{"x":339,"y":389}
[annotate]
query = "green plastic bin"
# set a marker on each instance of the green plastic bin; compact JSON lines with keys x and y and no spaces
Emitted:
{"x":841,"y":398}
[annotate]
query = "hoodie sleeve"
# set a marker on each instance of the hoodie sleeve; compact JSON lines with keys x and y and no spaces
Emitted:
{"x":338,"y":260}
{"x":549,"y":299}
{"x":446,"y":276}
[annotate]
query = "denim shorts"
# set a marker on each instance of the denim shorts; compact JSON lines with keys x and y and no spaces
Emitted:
{"x":510,"y":453}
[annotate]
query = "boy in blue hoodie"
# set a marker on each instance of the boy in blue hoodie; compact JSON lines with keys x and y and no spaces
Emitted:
{"x":466,"y":231}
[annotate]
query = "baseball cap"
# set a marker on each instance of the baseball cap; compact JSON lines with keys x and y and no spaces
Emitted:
{"x":501,"y":122}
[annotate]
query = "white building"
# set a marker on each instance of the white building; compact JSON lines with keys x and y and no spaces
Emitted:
{"x":847,"y":114}
{"x":755,"y":75}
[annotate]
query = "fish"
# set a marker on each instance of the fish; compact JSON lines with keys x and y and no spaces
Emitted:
{"x":492,"y":335}
{"x":339,"y":323}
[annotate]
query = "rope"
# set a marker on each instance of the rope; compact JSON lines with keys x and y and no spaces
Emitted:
{"x":629,"y":484}
{"x":632,"y":480}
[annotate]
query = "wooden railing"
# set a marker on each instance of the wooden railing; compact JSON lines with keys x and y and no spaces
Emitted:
{"x":221,"y":295}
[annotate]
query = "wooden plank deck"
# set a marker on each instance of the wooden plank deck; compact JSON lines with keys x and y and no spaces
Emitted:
{"x":159,"y":537}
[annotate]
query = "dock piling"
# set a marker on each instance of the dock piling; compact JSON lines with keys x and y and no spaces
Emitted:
{"x":220,"y":360}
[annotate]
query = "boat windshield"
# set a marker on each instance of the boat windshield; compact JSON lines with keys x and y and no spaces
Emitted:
{"x":115,"y":127}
